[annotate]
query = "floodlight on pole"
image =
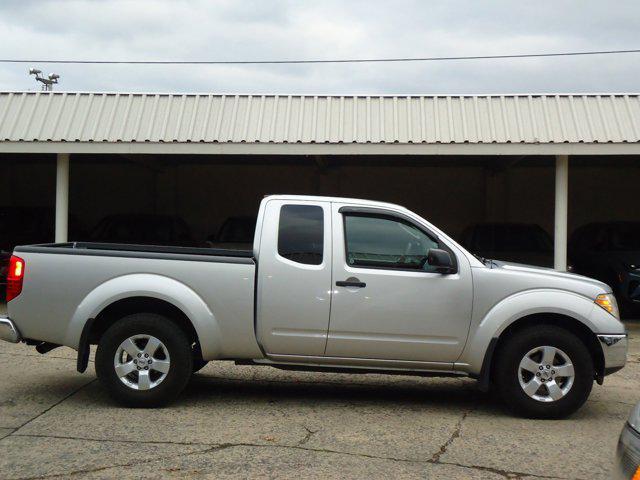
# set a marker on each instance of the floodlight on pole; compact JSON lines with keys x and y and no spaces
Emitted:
{"x":47,"y":83}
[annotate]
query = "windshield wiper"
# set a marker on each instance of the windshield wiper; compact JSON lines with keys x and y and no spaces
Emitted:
{"x":485,"y":261}
{"x":482,"y":259}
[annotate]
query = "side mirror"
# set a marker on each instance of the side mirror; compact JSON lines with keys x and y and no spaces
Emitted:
{"x":441,"y":259}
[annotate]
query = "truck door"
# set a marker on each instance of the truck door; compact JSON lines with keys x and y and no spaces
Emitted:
{"x":294,"y":277}
{"x":386,"y":304}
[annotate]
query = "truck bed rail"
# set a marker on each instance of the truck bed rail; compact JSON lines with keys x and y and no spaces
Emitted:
{"x":141,"y":251}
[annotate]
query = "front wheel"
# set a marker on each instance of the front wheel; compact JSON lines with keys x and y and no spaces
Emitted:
{"x":544,"y":372}
{"x":144,"y":360}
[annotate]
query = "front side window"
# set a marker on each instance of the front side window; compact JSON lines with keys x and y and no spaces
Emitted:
{"x":383,"y":242}
{"x":301,"y":233}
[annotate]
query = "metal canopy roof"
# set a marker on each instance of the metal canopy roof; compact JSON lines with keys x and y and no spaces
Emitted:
{"x":160,"y":123}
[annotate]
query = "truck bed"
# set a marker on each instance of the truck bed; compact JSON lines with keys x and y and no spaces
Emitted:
{"x":66,"y":284}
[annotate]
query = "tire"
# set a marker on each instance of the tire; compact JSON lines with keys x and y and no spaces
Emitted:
{"x":168,"y":366}
{"x":557,"y":395}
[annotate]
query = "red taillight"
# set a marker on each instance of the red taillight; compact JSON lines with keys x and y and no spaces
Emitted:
{"x":15,"y":277}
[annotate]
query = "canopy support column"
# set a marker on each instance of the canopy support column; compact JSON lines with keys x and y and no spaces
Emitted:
{"x":561,"y":213}
{"x":62,"y":198}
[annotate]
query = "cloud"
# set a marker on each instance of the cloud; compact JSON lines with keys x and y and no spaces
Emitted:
{"x":229,"y":30}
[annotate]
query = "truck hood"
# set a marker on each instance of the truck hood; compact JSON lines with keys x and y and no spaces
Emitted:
{"x":574,"y":280}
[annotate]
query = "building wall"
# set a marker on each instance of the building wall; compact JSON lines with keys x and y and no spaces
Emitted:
{"x":602,"y":191}
{"x":30,"y":183}
{"x":449,"y":197}
{"x":530,"y":195}
{"x":451,"y":194}
{"x":99,"y":189}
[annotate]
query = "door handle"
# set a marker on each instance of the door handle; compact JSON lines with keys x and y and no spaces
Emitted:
{"x":351,"y":282}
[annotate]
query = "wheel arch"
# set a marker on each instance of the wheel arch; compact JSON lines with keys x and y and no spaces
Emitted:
{"x":95,"y":328}
{"x":140,"y":304}
{"x":140,"y":293}
{"x":579,"y":329}
{"x":571,"y":324}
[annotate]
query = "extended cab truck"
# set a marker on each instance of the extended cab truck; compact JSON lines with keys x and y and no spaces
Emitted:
{"x":331,"y":284}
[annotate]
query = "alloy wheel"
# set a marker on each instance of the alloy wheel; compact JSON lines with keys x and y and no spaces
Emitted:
{"x":142,"y":362}
{"x":546,"y":374}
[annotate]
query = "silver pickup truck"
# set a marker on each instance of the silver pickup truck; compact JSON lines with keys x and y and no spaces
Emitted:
{"x":331,"y":284}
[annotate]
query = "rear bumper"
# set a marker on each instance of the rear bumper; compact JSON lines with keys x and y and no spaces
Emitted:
{"x":614,"y":349}
{"x":8,"y":331}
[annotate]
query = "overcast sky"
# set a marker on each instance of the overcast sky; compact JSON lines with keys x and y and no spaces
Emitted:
{"x":261,"y":30}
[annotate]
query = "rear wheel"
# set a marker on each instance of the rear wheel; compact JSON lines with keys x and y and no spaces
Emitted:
{"x":544,"y":372}
{"x":144,"y":360}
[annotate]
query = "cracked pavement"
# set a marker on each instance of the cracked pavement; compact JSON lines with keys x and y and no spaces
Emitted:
{"x":259,"y":422}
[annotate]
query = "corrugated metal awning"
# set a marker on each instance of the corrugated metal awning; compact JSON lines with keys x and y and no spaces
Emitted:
{"x":294,"y":119}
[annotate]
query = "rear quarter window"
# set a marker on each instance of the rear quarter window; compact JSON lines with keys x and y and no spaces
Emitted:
{"x":301,"y":234}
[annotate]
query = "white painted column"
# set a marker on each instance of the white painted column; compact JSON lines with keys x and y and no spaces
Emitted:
{"x":62,"y":197}
{"x":561,"y":213}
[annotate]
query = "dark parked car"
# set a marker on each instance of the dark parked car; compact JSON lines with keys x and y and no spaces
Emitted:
{"x":143,"y":229}
{"x":627,"y":465}
{"x":235,"y":233}
{"x":610,"y":252}
{"x":513,"y":242}
{"x":24,"y":226}
{"x":4,"y":265}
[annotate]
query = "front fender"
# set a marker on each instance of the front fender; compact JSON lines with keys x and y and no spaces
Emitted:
{"x":521,"y":305}
{"x":148,"y":285}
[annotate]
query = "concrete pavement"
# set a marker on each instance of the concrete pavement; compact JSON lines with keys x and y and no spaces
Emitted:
{"x":259,"y":422}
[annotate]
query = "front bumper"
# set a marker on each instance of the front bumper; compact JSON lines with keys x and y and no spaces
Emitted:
{"x":8,"y":331}
{"x":614,"y":349}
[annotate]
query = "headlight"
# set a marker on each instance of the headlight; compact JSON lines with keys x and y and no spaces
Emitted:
{"x":608,"y":302}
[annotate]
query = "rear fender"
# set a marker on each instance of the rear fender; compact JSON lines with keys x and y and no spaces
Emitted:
{"x":154,"y":286}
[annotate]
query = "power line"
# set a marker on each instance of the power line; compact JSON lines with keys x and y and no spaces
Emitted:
{"x":346,"y":60}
